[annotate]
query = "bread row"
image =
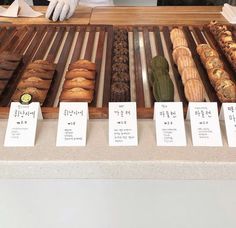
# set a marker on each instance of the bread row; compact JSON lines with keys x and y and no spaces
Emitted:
{"x":8,"y":65}
{"x":226,"y":40}
{"x":182,"y":56}
{"x":36,"y":80}
{"x":120,"y":81}
{"x":79,"y":82}
{"x":219,"y":78}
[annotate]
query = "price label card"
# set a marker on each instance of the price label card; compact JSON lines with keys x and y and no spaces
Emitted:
{"x":205,"y":124}
{"x":169,"y":119}
{"x":228,"y":113}
{"x":72,"y":124}
{"x":123,"y":124}
{"x":22,"y":124}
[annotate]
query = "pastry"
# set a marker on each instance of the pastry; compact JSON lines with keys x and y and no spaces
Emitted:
{"x":183,"y":62}
{"x":189,"y":73}
{"x":84,"y":73}
{"x":77,"y":95}
{"x":42,"y":65}
{"x":120,"y":32}
{"x":180,"y":51}
{"x":175,"y":33}
{"x":180,"y":41}
{"x":34,"y":82}
{"x":226,"y":90}
{"x":202,"y":47}
{"x":79,"y":82}
{"x":82,"y":64}
{"x":121,"y":51}
{"x":120,"y":92}
{"x":121,"y":59}
{"x":120,"y":67}
{"x":120,"y":77}
{"x":213,"y":62}
{"x":194,"y":91}
{"x":216,"y":74}
{"x":121,"y":37}
{"x":43,"y":74}
{"x":120,"y":44}
{"x":206,"y":53}
{"x":37,"y":94}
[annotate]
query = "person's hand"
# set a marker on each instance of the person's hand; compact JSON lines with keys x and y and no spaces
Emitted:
{"x":61,"y":9}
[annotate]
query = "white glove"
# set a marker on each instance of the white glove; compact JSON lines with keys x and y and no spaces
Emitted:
{"x":61,"y":9}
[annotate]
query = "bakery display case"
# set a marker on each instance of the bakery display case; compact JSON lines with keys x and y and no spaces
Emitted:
{"x":140,"y":54}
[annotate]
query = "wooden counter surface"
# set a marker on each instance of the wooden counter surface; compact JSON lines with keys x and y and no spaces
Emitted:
{"x":81,"y":16}
{"x":161,"y":15}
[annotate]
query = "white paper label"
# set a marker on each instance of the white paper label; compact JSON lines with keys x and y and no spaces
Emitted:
{"x":205,"y":126}
{"x":123,"y":124}
{"x":228,"y":113}
{"x":72,"y":124}
{"x":169,"y":120}
{"x":22,"y":124}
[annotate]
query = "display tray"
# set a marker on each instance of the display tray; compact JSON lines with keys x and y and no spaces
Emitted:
{"x":65,"y":44}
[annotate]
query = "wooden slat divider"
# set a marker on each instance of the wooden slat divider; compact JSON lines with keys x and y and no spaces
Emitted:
{"x":52,"y":93}
{"x":34,"y":44}
{"x":138,"y":70}
{"x":108,"y":69}
{"x":13,"y":40}
{"x":21,"y":47}
{"x":198,"y":35}
{"x":202,"y":72}
{"x":148,"y":54}
{"x":98,"y":62}
{"x":56,"y":44}
{"x":212,"y":41}
{"x":158,"y":42}
{"x":78,"y":45}
{"x":6,"y":35}
{"x":89,"y":48}
{"x":45,"y":44}
{"x":177,"y":76}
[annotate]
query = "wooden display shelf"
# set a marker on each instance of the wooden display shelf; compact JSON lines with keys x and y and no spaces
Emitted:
{"x":63,"y":44}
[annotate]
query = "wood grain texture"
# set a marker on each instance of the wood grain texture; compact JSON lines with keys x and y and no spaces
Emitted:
{"x":161,"y":15}
{"x":81,"y":16}
{"x":138,"y":70}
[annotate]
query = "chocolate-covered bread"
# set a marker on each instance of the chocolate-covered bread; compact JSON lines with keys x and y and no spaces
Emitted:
{"x":120,"y":92}
{"x":120,"y":67}
{"x":121,"y":59}
{"x":121,"y":77}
